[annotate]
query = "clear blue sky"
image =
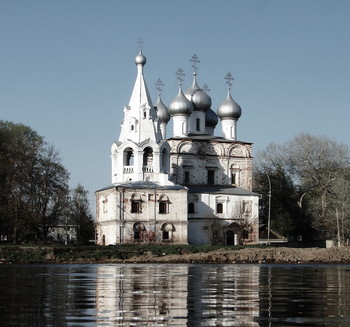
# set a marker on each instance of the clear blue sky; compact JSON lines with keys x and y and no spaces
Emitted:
{"x":67,"y":68}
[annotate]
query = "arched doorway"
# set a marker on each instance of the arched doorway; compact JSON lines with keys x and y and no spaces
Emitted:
{"x":167,"y":232}
{"x":139,"y":230}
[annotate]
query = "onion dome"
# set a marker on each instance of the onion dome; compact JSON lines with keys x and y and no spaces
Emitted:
{"x":180,"y":105}
{"x":162,"y":111}
{"x":229,"y":109}
{"x":201,"y":100}
{"x":140,"y":59}
{"x":211,"y":118}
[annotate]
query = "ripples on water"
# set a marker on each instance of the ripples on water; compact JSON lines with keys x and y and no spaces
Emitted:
{"x":174,"y":295}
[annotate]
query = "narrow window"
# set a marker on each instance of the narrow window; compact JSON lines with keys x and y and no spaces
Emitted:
{"x":163,"y":207}
{"x":187,"y":177}
{"x":198,"y":124}
{"x":211,"y":176}
{"x":219,"y":208}
{"x":129,"y":157}
{"x":147,"y":156}
{"x":233,"y":178}
{"x":190,"y":208}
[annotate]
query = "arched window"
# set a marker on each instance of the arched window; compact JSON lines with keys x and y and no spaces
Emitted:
{"x":128,"y":157}
{"x":163,"y":204}
{"x":136,"y":202}
{"x":148,"y":156}
{"x":165,"y":161}
{"x":190,"y":208}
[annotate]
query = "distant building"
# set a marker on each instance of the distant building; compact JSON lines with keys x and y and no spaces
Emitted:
{"x":191,"y":188}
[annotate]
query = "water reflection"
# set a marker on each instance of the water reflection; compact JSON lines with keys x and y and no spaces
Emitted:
{"x":174,"y":295}
{"x":142,"y":294}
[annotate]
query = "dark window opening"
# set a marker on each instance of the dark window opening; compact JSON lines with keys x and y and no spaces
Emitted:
{"x":219,"y":208}
{"x":245,"y":235}
{"x":187,"y":177}
{"x":129,"y":157}
{"x":163,"y":207}
{"x":137,"y":235}
{"x":233,"y":178}
{"x":190,"y":208}
{"x":135,"y":206}
{"x":147,"y":156}
{"x":166,"y":235}
{"x":198,"y":124}
{"x":211,"y":177}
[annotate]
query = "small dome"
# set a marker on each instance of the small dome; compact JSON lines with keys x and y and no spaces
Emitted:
{"x":180,"y":105}
{"x":162,"y":111}
{"x":211,"y":118}
{"x":140,"y":59}
{"x":201,"y":101}
{"x":229,"y":109}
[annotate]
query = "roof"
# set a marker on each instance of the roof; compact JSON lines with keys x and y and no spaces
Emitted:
{"x":144,"y":185}
{"x":207,"y":138}
{"x":220,"y":189}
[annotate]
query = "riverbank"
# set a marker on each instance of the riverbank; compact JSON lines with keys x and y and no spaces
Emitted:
{"x":171,"y":254}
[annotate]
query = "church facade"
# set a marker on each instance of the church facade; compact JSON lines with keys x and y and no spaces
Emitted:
{"x":193,"y":187}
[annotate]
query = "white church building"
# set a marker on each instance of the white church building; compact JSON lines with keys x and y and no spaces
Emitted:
{"x":191,"y":188}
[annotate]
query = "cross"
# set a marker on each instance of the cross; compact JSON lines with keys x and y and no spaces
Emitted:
{"x":159,"y":85}
{"x":180,"y":75}
{"x":140,"y":42}
{"x":195,"y":61}
{"x":229,"y":80}
{"x":206,"y":88}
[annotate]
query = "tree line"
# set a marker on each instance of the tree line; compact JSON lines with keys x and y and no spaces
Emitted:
{"x":34,"y":193}
{"x":310,"y":188}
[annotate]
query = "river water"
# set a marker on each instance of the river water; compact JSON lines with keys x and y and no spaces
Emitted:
{"x":174,"y":295}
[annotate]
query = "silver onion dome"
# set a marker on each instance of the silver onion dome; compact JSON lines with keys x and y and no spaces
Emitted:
{"x":162,"y":111}
{"x":229,"y":109}
{"x":201,"y":100}
{"x":211,"y":118}
{"x":180,"y":105}
{"x":140,"y":59}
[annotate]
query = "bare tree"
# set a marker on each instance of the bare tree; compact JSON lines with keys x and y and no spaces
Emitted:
{"x":33,"y":184}
{"x":314,"y":164}
{"x":80,"y":215}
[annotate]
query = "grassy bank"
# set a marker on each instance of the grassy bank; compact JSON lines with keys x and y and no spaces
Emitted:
{"x":59,"y":254}
{"x":171,"y":254}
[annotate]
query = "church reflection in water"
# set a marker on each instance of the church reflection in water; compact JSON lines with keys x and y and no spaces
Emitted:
{"x":177,"y":295}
